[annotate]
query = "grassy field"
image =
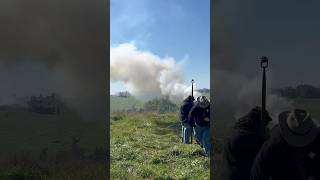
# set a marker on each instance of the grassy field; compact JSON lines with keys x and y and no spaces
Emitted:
{"x":23,"y":135}
{"x":148,"y":146}
{"x":124,"y":103}
{"x":18,"y":131}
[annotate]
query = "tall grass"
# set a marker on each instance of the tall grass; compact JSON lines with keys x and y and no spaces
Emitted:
{"x":148,"y":146}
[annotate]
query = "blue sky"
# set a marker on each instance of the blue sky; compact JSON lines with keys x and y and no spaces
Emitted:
{"x":175,"y":28}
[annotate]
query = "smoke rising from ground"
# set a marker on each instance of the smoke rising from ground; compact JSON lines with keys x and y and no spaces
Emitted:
{"x":55,"y":46}
{"x":147,"y":75}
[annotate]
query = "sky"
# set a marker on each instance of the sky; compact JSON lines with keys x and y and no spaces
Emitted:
{"x":285,"y":31}
{"x":168,"y":28}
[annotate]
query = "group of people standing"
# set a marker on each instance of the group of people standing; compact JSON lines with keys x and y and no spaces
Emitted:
{"x":290,"y":150}
{"x":195,"y":121}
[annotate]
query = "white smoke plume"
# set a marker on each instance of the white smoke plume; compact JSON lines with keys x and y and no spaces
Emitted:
{"x":147,"y":75}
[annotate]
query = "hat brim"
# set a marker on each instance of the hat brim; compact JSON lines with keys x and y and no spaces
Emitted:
{"x":294,"y":139}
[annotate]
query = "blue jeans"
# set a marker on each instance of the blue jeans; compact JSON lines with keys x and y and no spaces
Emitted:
{"x":186,"y":133}
{"x":203,"y":135}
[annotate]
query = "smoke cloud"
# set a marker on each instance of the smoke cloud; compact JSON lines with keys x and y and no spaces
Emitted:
{"x":237,"y":75}
{"x":147,"y":75}
{"x":55,"y":46}
{"x":236,"y":94}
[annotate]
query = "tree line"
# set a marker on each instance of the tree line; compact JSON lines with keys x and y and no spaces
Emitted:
{"x":300,"y":91}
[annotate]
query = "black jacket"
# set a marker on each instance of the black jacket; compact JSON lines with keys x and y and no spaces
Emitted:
{"x":279,"y":161}
{"x":241,"y":147}
{"x":185,"y":109}
{"x":239,"y":153}
{"x":312,"y":160}
{"x":197,"y":115}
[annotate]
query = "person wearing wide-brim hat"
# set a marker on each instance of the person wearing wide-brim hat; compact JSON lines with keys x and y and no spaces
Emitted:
{"x":199,"y":119}
{"x":297,"y":127}
{"x":285,"y":153}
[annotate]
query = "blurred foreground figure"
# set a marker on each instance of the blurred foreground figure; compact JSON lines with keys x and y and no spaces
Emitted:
{"x":184,"y":112}
{"x":199,"y":119}
{"x":244,"y":142}
{"x":291,"y":152}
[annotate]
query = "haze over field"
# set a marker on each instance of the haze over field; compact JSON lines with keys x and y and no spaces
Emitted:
{"x":248,"y":31}
{"x":284,"y":31}
{"x":44,"y":48}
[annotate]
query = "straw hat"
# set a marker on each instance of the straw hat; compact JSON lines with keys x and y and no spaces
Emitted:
{"x":297,"y":127}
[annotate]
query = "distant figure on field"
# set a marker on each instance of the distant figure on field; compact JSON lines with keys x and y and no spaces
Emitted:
{"x":199,"y":118}
{"x":184,"y":111}
{"x":244,"y":142}
{"x":292,"y":151}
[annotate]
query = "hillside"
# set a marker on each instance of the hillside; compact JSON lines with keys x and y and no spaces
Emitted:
{"x":119,"y":103}
{"x":18,"y":130}
{"x":148,"y":146}
{"x":124,"y":103}
{"x":25,"y":135}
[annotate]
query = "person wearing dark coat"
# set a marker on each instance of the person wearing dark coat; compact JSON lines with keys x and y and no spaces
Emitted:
{"x":186,"y":129}
{"x":312,"y":159}
{"x":199,"y":119}
{"x":292,"y":150}
{"x":242,"y":145}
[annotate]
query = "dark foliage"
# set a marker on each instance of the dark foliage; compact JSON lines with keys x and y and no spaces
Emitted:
{"x":124,"y":94}
{"x":300,"y":91}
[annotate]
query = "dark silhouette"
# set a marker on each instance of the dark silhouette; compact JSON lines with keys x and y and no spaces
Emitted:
{"x":44,"y":154}
{"x":184,"y":112}
{"x":290,"y":151}
{"x":77,"y":151}
{"x":52,"y":104}
{"x":243,"y":144}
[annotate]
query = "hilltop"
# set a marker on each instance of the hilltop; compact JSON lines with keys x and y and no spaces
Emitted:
{"x":118,"y":103}
{"x":124,"y":101}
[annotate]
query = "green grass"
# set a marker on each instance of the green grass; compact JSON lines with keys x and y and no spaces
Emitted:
{"x":125,"y":103}
{"x":30,"y":132}
{"x":23,"y":135}
{"x":148,"y":146}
